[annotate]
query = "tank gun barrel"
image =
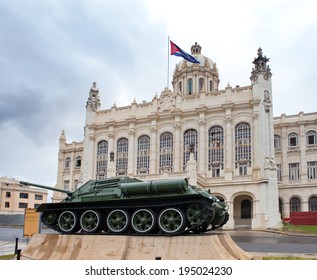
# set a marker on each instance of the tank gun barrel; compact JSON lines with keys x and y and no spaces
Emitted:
{"x":44,"y":187}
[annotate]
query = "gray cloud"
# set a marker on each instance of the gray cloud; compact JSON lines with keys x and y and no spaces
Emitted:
{"x":50,"y":53}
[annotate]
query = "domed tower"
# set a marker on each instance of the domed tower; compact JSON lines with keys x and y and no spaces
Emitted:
{"x":193,"y":78}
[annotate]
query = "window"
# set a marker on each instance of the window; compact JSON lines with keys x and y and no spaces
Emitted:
{"x":66,"y":185}
{"x":36,"y":206}
{"x":180,"y":87}
{"x":24,"y":195}
{"x":78,"y":161}
{"x":312,"y":169}
{"x":215,"y":153}
{"x":243,"y":169}
{"x":190,"y":86}
{"x":102,"y":159}
{"x":190,"y":138}
{"x":279,"y":172}
{"x":143,"y":157}
{"x":242,"y":147}
{"x":311,"y":137}
{"x":67,"y":163}
{"x":166,"y":151}
{"x":122,"y":156}
{"x":7,"y":204}
{"x":210,"y":85}
{"x":293,"y":171}
{"x":294,"y":205}
{"x":23,"y":205}
{"x":280,"y":207}
{"x":312,"y":204}
{"x":8,"y":194}
{"x":277,"y":142}
{"x":38,"y":197}
{"x":245,"y":209}
{"x":215,"y":171}
{"x":201,"y":84}
{"x":293,"y":140}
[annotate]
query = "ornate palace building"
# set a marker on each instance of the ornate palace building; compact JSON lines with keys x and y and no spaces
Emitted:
{"x":260,"y":166}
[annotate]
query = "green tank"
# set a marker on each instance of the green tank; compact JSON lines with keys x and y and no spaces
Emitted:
{"x":125,"y":205}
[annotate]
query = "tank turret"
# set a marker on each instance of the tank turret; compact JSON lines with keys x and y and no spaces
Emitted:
{"x":125,"y":205}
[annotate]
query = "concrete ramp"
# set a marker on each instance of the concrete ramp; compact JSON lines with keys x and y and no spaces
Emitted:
{"x":110,"y":247}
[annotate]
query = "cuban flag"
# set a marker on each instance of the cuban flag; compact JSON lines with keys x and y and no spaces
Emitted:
{"x":176,"y":50}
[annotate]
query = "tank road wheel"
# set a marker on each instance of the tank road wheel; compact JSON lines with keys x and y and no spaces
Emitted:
{"x":171,"y":220}
{"x":90,"y":221}
{"x":48,"y":218}
{"x":118,"y":220}
{"x":67,"y":222}
{"x":143,"y":220}
{"x":197,"y":214}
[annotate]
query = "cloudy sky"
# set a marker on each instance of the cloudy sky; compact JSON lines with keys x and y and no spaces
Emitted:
{"x":52,"y":51}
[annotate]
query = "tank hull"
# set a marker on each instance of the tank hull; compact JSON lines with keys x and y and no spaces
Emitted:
{"x":127,"y":206}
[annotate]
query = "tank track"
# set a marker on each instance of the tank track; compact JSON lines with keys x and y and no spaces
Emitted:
{"x":151,"y":209}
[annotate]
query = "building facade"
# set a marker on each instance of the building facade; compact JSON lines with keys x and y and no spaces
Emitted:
{"x":231,"y":130}
{"x":295,"y":143}
{"x":15,"y":198}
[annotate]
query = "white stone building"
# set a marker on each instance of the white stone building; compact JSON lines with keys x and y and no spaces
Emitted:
{"x":232,"y":131}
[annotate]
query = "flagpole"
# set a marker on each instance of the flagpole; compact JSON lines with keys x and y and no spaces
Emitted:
{"x":168,"y":60}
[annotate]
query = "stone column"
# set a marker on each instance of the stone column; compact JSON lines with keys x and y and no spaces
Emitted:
{"x":229,"y":144}
{"x":132,"y":153}
{"x":202,"y":145}
{"x":177,"y":147}
{"x":111,"y":172}
{"x":153,"y":158}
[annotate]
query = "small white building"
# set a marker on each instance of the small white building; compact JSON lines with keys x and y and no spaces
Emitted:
{"x":232,"y":132}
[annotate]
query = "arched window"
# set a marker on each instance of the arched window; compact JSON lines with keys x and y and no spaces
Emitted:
{"x":143,"y":158}
{"x":245,"y":209}
{"x":201,"y":84}
{"x":180,"y":87}
{"x":122,"y":156}
{"x":294,"y":205}
{"x":78,"y":161}
{"x":210,"y":86}
{"x":242,"y":147}
{"x":102,"y":159}
{"x":293,"y":140}
{"x":215,"y":153}
{"x":311,"y":137}
{"x":67,"y":163}
{"x":166,"y":152}
{"x":190,"y":86}
{"x":312,"y":204}
{"x":190,"y":138}
{"x":277,"y":141}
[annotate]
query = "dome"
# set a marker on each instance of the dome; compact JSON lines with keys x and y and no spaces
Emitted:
{"x":206,"y":73}
{"x":196,"y":52}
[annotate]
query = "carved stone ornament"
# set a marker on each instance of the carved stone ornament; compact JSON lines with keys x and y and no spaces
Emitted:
{"x":166,"y":102}
{"x":266,"y":101}
{"x":270,"y":164}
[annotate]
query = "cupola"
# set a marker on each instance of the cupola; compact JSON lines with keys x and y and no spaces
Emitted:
{"x":194,"y":79}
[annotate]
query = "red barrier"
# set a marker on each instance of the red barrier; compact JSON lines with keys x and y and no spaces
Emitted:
{"x":303,"y":218}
